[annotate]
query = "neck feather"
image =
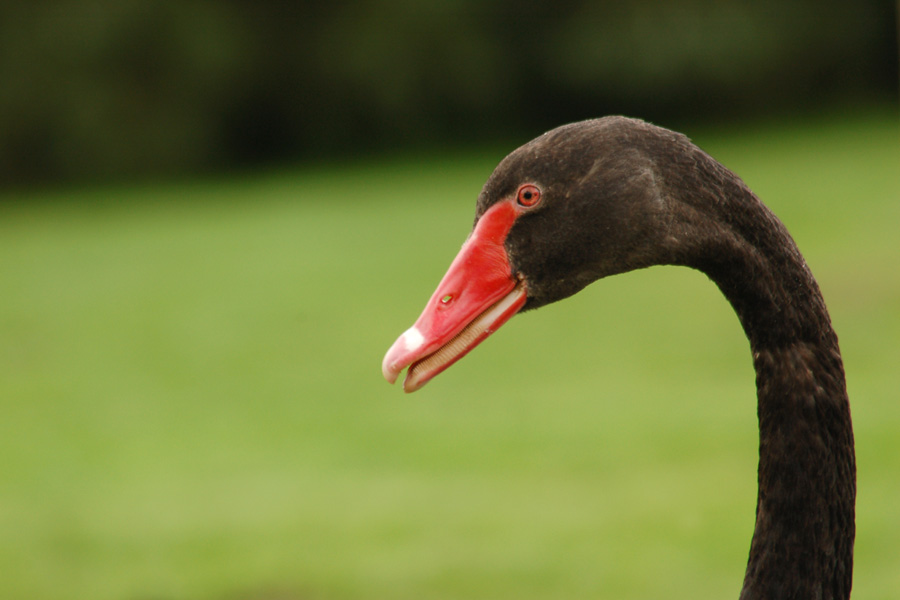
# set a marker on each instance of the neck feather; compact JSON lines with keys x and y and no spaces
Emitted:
{"x":803,"y":542}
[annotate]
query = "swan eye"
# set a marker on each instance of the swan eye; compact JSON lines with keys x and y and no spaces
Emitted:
{"x":528,"y":195}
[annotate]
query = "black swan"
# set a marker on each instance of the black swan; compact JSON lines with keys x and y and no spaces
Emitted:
{"x":610,"y":195}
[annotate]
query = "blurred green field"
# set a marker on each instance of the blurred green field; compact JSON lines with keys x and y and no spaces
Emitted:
{"x":193,"y":406}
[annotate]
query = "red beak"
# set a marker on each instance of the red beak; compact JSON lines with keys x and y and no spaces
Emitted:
{"x":478,"y":294}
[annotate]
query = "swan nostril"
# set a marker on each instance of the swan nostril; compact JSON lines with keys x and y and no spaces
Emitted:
{"x":447,"y":299}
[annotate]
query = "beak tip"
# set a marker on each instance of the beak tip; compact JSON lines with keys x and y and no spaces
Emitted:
{"x":389,"y":370}
{"x":399,"y":354}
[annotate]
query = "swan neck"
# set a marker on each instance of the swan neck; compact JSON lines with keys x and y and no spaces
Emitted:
{"x":802,"y":545}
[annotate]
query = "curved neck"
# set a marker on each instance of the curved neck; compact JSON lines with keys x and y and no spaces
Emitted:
{"x":803,"y":542}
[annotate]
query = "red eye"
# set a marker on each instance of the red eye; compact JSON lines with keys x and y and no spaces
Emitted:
{"x":529,"y":195}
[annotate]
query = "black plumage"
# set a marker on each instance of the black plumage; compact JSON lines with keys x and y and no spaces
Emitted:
{"x":619,"y":194}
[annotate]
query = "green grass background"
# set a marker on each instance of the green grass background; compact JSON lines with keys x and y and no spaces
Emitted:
{"x":192,"y":404}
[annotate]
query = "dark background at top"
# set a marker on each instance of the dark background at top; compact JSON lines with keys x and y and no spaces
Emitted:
{"x":136,"y":88}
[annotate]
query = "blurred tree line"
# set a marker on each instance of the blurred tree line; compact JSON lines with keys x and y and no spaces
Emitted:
{"x":146,"y":87}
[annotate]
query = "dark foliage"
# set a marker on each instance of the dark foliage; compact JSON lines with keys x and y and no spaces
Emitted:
{"x":137,"y":87}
